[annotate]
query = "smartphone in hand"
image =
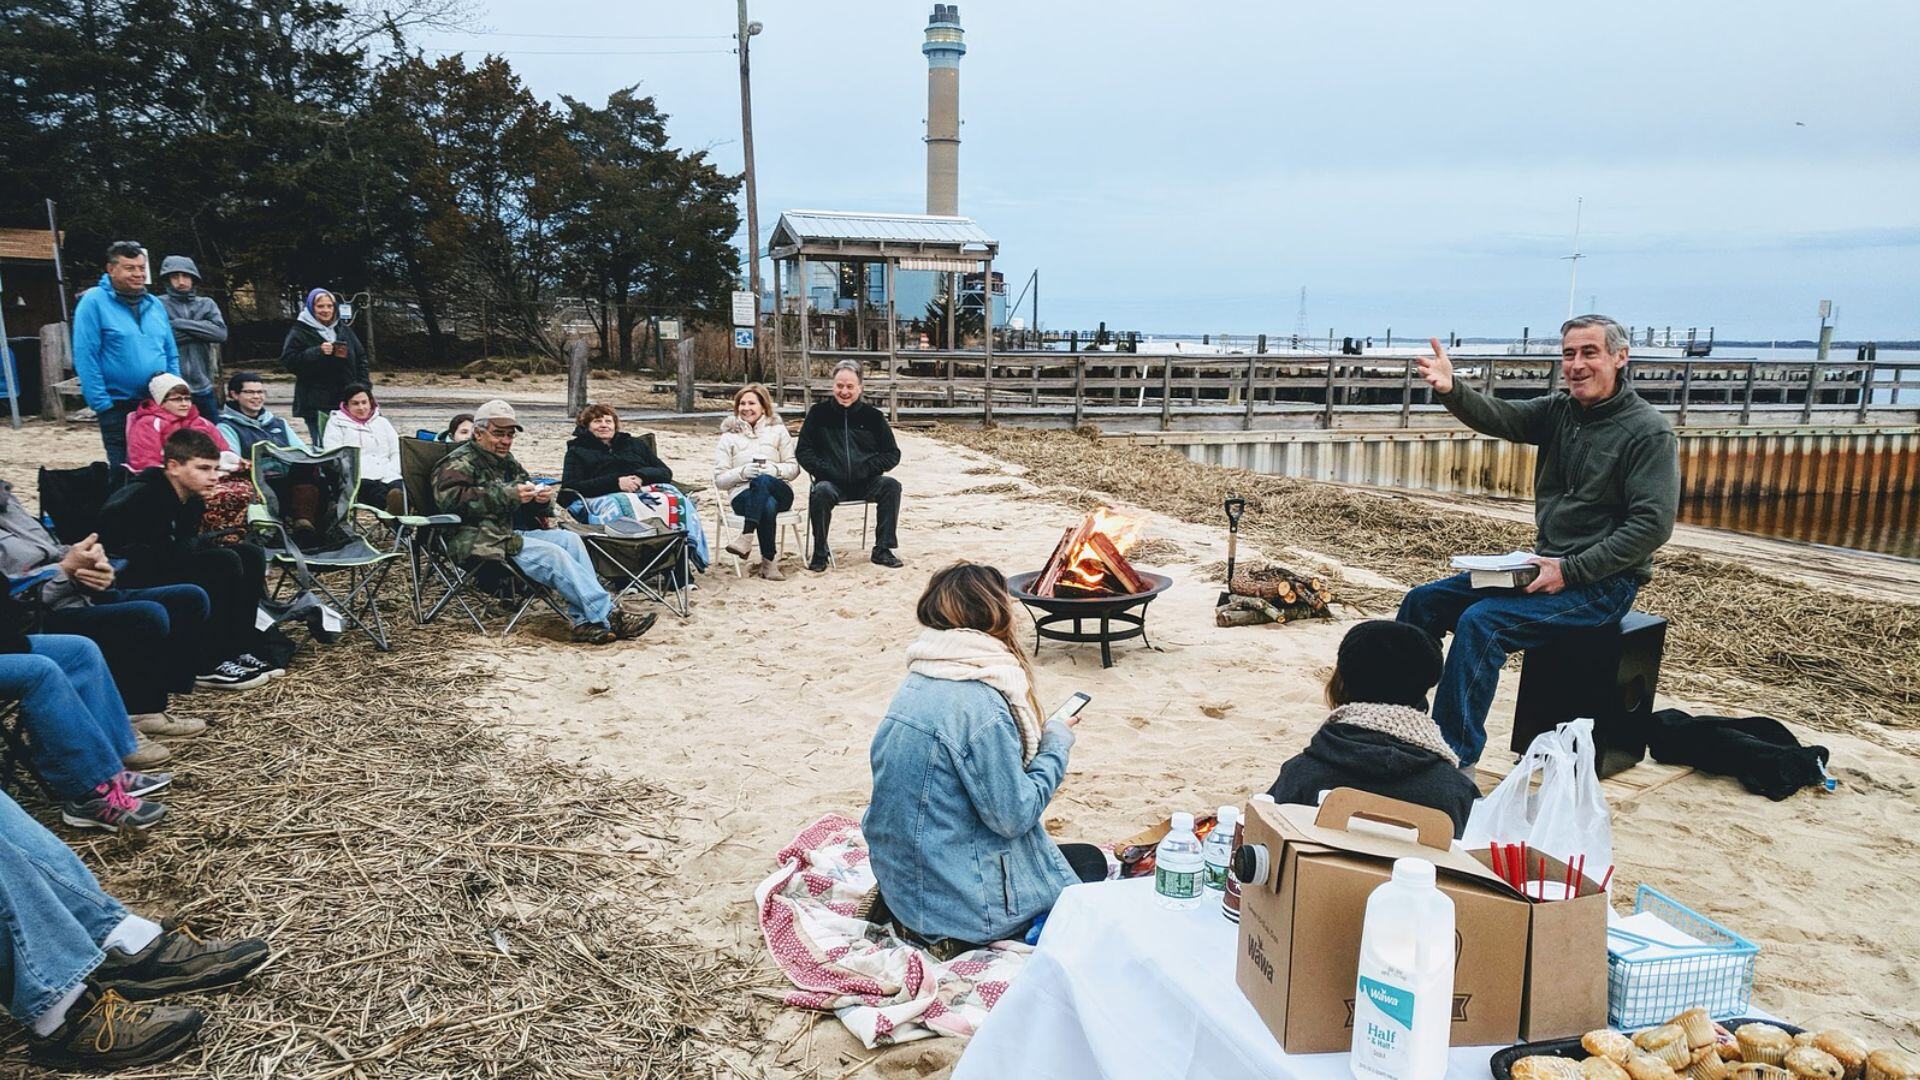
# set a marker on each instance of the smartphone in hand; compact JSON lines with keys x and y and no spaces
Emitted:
{"x":1070,"y":708}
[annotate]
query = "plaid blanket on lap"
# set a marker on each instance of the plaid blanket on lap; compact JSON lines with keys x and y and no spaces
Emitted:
{"x":884,"y":990}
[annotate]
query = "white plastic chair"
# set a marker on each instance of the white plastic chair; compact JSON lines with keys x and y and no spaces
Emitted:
{"x":727,"y":524}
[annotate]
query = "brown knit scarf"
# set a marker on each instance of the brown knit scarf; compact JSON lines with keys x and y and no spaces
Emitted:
{"x":1407,"y":725}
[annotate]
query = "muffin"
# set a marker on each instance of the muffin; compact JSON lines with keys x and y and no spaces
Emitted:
{"x":1891,"y":1065}
{"x":1812,"y":1064}
{"x":1753,"y":1070}
{"x":1706,"y":1065}
{"x":1600,"y":1067}
{"x":1803,"y":1038}
{"x":1668,"y":1042}
{"x":1608,"y":1044}
{"x":1850,"y":1052}
{"x":1546,"y":1067}
{"x":1647,"y":1067}
{"x":1698,"y":1026}
{"x":1763,"y":1043}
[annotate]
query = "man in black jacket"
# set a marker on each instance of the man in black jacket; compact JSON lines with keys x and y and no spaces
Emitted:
{"x":847,"y":447}
{"x":153,"y":522}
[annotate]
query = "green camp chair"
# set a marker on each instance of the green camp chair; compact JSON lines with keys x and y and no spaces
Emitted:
{"x":304,"y":520}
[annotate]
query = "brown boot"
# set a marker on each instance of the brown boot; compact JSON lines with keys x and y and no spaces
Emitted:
{"x":104,"y":1031}
{"x":771,"y":571}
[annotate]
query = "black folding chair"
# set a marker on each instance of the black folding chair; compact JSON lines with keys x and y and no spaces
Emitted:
{"x":70,"y":499}
{"x":335,"y":546}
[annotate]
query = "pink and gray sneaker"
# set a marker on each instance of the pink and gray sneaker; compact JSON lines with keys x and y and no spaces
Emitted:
{"x":110,"y":806}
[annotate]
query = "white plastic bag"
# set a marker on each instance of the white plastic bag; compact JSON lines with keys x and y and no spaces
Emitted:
{"x":1565,"y":817}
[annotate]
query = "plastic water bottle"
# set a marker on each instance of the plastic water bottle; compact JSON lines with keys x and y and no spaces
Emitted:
{"x":1403,"y":1004}
{"x":1218,"y":848}
{"x":1178,"y":866}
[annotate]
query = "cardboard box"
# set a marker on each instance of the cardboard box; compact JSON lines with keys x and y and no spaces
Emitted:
{"x":1298,"y":960}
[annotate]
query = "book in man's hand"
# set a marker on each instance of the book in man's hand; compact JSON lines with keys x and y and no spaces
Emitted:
{"x":1503,"y":579}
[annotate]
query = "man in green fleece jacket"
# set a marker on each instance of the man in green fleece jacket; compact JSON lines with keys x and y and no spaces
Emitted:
{"x":1606,"y":484}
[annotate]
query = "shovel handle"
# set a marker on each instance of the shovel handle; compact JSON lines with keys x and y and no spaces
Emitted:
{"x":1234,"y":508}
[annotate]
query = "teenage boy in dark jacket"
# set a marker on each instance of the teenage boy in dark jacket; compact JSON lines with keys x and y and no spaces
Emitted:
{"x":847,"y":447}
{"x":1379,"y":737}
{"x":1606,"y":486}
{"x":154,"y":524}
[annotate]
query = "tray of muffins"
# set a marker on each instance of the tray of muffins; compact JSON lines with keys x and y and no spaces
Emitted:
{"x":1692,"y":1047}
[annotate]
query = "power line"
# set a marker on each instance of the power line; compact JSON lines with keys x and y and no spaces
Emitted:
{"x":588,"y":37}
{"x":571,"y":52}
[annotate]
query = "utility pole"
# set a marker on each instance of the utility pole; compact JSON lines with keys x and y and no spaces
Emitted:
{"x":747,"y":31}
{"x":1573,"y":275}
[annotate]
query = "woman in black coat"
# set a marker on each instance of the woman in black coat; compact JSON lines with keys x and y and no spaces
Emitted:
{"x":1379,"y":737}
{"x":602,"y":459}
{"x":324,"y":356}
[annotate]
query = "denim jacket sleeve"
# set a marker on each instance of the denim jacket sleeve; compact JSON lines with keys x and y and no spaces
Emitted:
{"x":1010,"y":797}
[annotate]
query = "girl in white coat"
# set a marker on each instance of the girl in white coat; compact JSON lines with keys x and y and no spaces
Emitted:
{"x":754,"y":464}
{"x":358,"y":423}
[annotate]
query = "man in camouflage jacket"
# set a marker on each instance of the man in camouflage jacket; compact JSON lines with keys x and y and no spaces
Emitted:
{"x":482,"y":483}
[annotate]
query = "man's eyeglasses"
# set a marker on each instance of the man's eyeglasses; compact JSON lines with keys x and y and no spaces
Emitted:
{"x":502,"y":433}
{"x":258,"y":391}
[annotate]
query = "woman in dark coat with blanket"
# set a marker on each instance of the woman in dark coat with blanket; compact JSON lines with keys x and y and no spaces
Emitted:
{"x":1379,"y":737}
{"x":324,"y":357}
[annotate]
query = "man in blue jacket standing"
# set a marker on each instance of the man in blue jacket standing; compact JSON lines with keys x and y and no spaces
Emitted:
{"x":121,"y":339}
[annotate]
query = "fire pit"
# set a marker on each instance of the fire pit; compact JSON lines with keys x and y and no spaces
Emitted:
{"x":1088,"y":579}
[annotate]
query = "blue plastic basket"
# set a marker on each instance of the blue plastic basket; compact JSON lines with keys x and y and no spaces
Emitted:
{"x":1650,"y":982}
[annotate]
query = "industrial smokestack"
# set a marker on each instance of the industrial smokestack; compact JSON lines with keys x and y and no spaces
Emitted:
{"x":944,"y":47}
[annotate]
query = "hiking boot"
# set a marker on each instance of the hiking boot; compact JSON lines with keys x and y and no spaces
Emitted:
{"x":821,"y":558}
{"x":104,"y":1032}
{"x":397,"y":501}
{"x":271,"y":669}
{"x":176,"y":962}
{"x":139,"y":785}
{"x":109,"y":807}
{"x":230,"y":675}
{"x":159,"y":723}
{"x":771,"y":571}
{"x":591,"y":633}
{"x":146,"y":753}
{"x":742,"y":546}
{"x":627,"y":627}
{"x":886,"y":557}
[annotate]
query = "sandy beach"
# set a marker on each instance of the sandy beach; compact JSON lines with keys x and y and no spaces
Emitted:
{"x":757,"y":712}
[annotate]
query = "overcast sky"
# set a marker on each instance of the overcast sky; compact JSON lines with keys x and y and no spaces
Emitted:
{"x":1188,"y":168}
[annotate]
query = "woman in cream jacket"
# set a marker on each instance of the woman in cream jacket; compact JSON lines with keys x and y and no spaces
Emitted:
{"x":754,"y":465}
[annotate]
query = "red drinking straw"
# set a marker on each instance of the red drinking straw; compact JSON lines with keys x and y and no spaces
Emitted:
{"x":1604,"y":880}
{"x":1493,"y":860}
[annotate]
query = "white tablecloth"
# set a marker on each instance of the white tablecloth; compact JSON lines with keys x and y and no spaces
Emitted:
{"x":1121,"y":988}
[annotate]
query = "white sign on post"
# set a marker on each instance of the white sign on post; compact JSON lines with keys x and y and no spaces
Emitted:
{"x":743,"y":305}
{"x":669,"y":329}
{"x":1826,"y":308}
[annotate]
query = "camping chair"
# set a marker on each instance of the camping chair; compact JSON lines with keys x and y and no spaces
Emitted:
{"x":787,"y":521}
{"x":423,"y":535}
{"x":634,"y":557}
{"x":70,"y":499}
{"x":16,"y":756}
{"x":339,"y":549}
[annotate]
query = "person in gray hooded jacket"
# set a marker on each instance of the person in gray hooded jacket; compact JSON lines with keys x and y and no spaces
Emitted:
{"x":197,"y":325}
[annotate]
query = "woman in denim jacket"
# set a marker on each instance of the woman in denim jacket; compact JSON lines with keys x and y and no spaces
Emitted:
{"x":962,"y":774}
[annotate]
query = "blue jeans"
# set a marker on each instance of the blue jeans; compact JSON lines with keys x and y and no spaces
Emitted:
{"x":113,"y":431}
{"x":559,"y":559}
{"x":1488,"y":624}
{"x":53,"y":915}
{"x":72,"y":710}
{"x":759,"y":505}
{"x":150,"y":638}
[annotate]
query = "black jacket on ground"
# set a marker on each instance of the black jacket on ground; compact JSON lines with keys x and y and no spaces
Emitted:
{"x":317,"y":377}
{"x":1758,"y":751}
{"x":148,"y":525}
{"x":1341,"y":755}
{"x":846,"y":445}
{"x":594,"y":468}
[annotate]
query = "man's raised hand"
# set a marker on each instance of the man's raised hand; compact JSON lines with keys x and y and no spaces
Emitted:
{"x":1438,"y":368}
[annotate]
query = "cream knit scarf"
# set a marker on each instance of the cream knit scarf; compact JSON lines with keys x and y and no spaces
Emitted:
{"x":1407,"y":725}
{"x":971,"y":656}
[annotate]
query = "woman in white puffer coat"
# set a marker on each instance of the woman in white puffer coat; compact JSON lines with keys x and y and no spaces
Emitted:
{"x":754,"y":465}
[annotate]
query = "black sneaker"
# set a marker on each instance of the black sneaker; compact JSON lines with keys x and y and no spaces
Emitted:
{"x":104,"y":1032}
{"x":886,"y":557}
{"x":593,"y":633}
{"x":626,"y":627}
{"x":230,"y":675}
{"x":177,"y":962}
{"x":273,"y":671}
{"x":818,"y":564}
{"x":142,"y":784}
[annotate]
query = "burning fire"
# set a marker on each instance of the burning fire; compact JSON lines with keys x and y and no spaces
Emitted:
{"x":1085,"y":569}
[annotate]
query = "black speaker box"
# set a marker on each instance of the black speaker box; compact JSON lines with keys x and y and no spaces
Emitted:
{"x":1609,"y":673}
